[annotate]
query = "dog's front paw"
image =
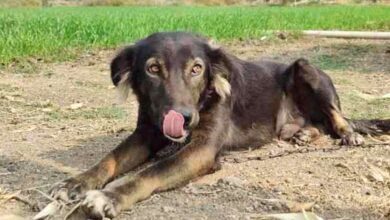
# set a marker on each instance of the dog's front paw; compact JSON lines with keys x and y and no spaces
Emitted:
{"x":100,"y":204}
{"x":68,"y":190}
{"x":353,"y":139}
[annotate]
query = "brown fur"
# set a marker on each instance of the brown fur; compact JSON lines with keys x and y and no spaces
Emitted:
{"x":230,"y":103}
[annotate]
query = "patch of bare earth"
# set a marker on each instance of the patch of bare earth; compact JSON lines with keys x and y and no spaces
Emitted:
{"x":60,"y":119}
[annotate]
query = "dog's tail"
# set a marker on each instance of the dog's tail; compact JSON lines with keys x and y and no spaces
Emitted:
{"x":370,"y":126}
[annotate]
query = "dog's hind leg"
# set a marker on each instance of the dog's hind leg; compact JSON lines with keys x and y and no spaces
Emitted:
{"x":288,"y":131}
{"x":298,"y":134}
{"x":315,"y":96}
{"x":306,"y":135}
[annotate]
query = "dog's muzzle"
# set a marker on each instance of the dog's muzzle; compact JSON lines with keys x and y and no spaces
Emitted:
{"x":176,"y":124}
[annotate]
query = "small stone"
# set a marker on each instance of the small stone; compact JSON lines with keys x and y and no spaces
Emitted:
{"x":167,"y":209}
{"x":366,"y":191}
{"x":47,"y":110}
{"x":277,"y":191}
{"x":342,"y":165}
{"x":249,"y":209}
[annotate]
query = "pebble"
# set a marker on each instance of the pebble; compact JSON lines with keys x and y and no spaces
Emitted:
{"x":288,"y":180}
{"x":232,"y":181}
{"x":249,"y":209}
{"x":366,"y":191}
{"x":75,"y":106}
{"x":167,"y":209}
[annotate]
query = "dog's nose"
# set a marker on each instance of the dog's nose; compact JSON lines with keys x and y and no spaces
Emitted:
{"x":187,"y":117}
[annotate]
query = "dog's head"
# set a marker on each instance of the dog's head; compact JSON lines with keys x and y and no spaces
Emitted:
{"x":172,"y":74}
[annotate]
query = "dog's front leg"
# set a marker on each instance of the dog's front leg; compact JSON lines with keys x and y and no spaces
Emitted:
{"x":192,"y":161}
{"x":342,"y":128}
{"x":126,"y":156}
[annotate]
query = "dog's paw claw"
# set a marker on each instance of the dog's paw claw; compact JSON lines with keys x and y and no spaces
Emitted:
{"x":353,"y":139}
{"x":67,"y":190}
{"x":99,"y":205}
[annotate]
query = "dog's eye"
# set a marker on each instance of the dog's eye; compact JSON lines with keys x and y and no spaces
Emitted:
{"x":154,"y":68}
{"x":196,"y":70}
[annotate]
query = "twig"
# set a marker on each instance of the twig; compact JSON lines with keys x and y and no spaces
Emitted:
{"x":44,"y":194}
{"x":33,"y":206}
{"x":380,"y":144}
{"x":72,"y":211}
{"x":16,"y":195}
{"x":128,"y":212}
{"x":348,"y":34}
{"x":36,"y":187}
{"x":266,"y":200}
{"x":308,"y":149}
{"x":8,"y":197}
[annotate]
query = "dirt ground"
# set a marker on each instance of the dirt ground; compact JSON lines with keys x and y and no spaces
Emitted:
{"x":58,"y":119}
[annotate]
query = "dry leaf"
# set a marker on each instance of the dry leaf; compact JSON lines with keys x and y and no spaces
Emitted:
{"x":25,"y":130}
{"x":386,"y":96}
{"x":298,"y":207}
{"x":370,"y":97}
{"x":47,"y":110}
{"x":75,"y":106}
{"x":50,"y":210}
{"x":377,"y":174}
{"x":364,"y":95}
{"x":384,"y":138}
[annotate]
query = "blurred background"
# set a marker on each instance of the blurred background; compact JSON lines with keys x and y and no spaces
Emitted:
{"x":18,"y":3}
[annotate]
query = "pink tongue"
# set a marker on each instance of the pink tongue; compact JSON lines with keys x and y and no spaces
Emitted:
{"x":173,"y":124}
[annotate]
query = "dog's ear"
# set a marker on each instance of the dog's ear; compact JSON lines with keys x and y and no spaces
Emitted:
{"x":225,"y":71}
{"x":121,"y":68}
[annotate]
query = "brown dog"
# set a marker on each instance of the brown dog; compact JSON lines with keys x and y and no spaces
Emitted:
{"x":196,"y":94}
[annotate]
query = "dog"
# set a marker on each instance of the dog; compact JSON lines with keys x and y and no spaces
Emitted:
{"x":193,"y":93}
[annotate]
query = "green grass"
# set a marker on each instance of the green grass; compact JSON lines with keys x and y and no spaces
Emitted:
{"x":60,"y":33}
{"x":92,"y":113}
{"x":332,"y":62}
{"x":101,"y":112}
{"x":358,"y":108}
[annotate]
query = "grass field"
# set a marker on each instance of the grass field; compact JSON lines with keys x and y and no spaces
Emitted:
{"x":58,"y":33}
